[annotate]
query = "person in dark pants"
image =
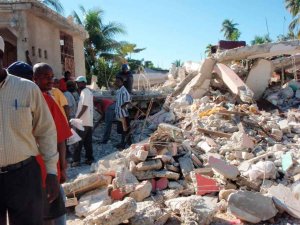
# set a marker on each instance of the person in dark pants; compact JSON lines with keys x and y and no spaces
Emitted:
{"x":85,"y":113}
{"x":127,"y":77}
{"x":26,"y":121}
{"x":106,"y":108}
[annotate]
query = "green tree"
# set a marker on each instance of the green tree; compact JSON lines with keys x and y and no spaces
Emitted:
{"x":208,"y":50}
{"x":105,"y":71}
{"x":230,"y":31}
{"x":54,"y":4}
{"x":289,"y":36}
{"x":101,"y":41}
{"x":293,"y":6}
{"x":126,"y":49}
{"x":261,"y":40}
{"x":178,"y":63}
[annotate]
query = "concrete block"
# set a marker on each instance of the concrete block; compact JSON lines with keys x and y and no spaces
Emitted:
{"x":149,"y":165}
{"x":221,"y":167}
{"x":115,"y":214}
{"x":186,"y":165}
{"x":142,"y":191}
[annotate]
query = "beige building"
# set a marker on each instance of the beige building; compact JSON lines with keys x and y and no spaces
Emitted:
{"x":33,"y":32}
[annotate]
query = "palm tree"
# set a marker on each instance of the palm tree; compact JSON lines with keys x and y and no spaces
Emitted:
{"x":293,"y":6}
{"x":230,"y":30}
{"x":208,"y":49}
{"x":54,"y":4}
{"x":127,"y":49}
{"x":261,"y":40}
{"x":101,"y":41}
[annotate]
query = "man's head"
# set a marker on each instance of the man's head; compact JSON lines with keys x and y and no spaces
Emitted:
{"x":119,"y":82}
{"x":81,"y":82}
{"x":2,"y":46}
{"x":71,"y":86}
{"x":125,"y":68}
{"x":67,"y":75}
{"x":56,"y":82}
{"x":43,"y":76}
{"x":21,"y":69}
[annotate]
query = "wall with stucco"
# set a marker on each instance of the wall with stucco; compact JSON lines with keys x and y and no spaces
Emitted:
{"x":79,"y":56}
{"x":45,"y":36}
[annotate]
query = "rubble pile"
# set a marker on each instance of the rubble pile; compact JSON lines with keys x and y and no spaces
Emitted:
{"x":209,"y":152}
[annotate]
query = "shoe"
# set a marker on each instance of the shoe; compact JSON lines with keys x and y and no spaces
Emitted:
{"x":75,"y":164}
{"x":89,"y":161}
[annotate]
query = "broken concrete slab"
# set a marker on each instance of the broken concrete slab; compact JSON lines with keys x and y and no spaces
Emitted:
{"x":146,"y":175}
{"x":285,"y":200}
{"x":175,"y":185}
{"x":259,"y":77}
{"x":221,"y":167}
{"x":141,"y":191}
{"x":241,"y":141}
{"x":287,"y":161}
{"x":147,"y":213}
{"x":85,"y":184}
{"x":186,"y":165}
{"x":224,"y":194}
{"x":234,"y":82}
{"x":91,"y":201}
{"x":260,"y":51}
{"x":194,"y":209}
{"x":149,"y":165}
{"x":115,"y":214}
{"x":251,"y":207}
{"x":198,"y":85}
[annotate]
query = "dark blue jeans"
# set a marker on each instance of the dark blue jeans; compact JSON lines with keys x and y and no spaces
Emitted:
{"x":109,"y":118}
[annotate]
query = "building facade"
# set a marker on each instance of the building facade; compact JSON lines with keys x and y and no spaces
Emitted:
{"x":34,"y":33}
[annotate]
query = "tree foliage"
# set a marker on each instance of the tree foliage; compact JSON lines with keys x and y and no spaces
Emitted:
{"x":261,"y":40}
{"x":230,"y":30}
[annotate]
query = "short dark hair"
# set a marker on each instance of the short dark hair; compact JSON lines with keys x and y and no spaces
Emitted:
{"x":40,"y":68}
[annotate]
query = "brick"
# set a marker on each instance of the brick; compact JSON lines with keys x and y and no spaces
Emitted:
{"x":142,"y":191}
{"x":149,"y":165}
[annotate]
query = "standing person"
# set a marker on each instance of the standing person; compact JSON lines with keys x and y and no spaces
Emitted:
{"x":54,"y":213}
{"x":127,"y":77}
{"x":63,"y":81}
{"x":71,"y":87}
{"x":106,"y":108}
{"x":61,"y":101}
{"x":25,"y":121}
{"x":85,"y":113}
{"x":123,"y":100}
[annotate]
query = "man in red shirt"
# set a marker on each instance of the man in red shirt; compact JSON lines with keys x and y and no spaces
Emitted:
{"x":43,"y":77}
{"x":106,"y":108}
{"x":63,"y":81}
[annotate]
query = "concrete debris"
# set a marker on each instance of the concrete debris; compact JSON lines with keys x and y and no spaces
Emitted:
{"x":251,"y":207}
{"x":222,"y":131}
{"x":285,"y":200}
{"x":115,"y":213}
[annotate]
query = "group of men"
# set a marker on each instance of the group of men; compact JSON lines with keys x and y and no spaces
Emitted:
{"x":34,"y":129}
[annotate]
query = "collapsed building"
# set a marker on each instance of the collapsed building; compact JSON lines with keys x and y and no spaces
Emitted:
{"x":212,"y":155}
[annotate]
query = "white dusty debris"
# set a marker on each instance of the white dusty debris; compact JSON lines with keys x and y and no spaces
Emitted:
{"x":214,"y":136}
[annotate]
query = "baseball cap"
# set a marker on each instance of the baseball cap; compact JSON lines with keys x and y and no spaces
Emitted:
{"x":81,"y":79}
{"x":2,"y":44}
{"x":125,"y":67}
{"x":21,"y":69}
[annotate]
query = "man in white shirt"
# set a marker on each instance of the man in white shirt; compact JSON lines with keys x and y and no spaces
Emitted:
{"x":85,"y":113}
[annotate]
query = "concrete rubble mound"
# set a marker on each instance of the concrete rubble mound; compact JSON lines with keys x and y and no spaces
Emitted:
{"x":212,"y":150}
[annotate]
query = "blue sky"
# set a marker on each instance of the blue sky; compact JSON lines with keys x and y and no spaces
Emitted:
{"x":181,"y":29}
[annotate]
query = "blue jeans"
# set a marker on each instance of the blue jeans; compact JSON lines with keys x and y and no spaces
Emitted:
{"x":62,"y":220}
{"x":109,"y":118}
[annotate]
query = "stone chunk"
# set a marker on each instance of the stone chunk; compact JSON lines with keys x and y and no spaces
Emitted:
{"x":168,"y":174}
{"x":241,"y":141}
{"x":85,"y":184}
{"x":175,"y":185}
{"x":285,"y":200}
{"x":147,"y":213}
{"x":149,"y":165}
{"x":224,"y":194}
{"x":194,"y":209}
{"x":142,"y":191}
{"x":204,"y":185}
{"x":287,"y":161}
{"x":251,"y":207}
{"x":91,"y":201}
{"x":186,"y":165}
{"x":115,"y":213}
{"x":221,"y":167}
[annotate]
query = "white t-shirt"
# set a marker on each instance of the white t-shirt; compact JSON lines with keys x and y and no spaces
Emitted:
{"x":86,"y":98}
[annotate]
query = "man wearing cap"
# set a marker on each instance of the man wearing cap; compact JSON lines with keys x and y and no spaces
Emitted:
{"x":127,"y":77}
{"x":25,"y":121}
{"x":85,"y":113}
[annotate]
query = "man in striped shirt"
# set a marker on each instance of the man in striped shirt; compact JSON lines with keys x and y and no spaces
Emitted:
{"x":122,"y":101}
